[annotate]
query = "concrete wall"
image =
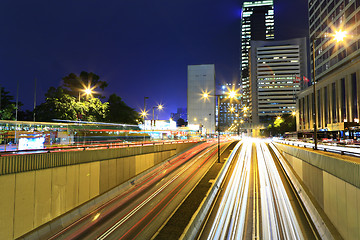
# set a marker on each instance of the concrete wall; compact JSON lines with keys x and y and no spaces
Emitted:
{"x":31,"y":199}
{"x":337,"y":195}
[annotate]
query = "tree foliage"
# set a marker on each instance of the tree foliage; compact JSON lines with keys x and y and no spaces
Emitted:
{"x":286,"y":123}
{"x":61,"y":104}
{"x":119,"y":112}
{"x":74,"y":84}
{"x":181,"y":122}
{"x":57,"y":105}
{"x":7,"y":105}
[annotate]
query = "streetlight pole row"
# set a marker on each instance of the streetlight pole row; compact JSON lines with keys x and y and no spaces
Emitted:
{"x":205,"y":96}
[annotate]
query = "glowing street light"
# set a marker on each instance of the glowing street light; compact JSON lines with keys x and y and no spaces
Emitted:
{"x":205,"y":95}
{"x":232,"y":94}
{"x":144,"y":113}
{"x":338,"y":37}
{"x":88,"y":91}
{"x":159,"y":108}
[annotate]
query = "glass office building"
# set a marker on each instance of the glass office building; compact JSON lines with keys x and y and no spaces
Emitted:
{"x":257,"y":23}
{"x":337,"y":72}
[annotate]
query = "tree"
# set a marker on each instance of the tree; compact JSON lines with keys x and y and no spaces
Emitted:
{"x":74,"y":84}
{"x":93,"y":110}
{"x":7,"y":105}
{"x":181,"y":122}
{"x":57,"y":105}
{"x":285,"y":123}
{"x":26,"y":115}
{"x":119,"y":112}
{"x":60,"y":105}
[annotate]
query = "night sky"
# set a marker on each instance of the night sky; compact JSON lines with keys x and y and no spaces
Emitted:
{"x":140,"y":47}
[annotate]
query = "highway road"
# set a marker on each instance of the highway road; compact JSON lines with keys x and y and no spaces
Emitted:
{"x":257,"y":200}
{"x":139,"y":212}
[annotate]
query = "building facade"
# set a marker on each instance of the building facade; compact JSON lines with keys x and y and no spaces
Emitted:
{"x":337,"y":66}
{"x":276,"y":76}
{"x":229,"y":107}
{"x":257,"y":23}
{"x":201,"y":111}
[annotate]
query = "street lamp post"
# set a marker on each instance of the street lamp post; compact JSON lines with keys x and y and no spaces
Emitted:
{"x":314,"y":90}
{"x":218,"y":125}
{"x":159,"y":108}
{"x":339,"y":37}
{"x":205,"y":95}
{"x":144,"y":115}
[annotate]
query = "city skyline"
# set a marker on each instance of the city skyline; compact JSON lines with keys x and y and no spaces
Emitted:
{"x":139,"y":53}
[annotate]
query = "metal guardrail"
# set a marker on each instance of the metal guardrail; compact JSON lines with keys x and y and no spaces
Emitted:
{"x":198,"y":218}
{"x":91,"y":147}
{"x":16,"y":163}
{"x":340,"y":150}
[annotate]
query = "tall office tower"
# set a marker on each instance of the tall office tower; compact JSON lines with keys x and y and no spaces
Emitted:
{"x":337,"y":74}
{"x":276,"y":72}
{"x":201,"y":78}
{"x":257,"y":23}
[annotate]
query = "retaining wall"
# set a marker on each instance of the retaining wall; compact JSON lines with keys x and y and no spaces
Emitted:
{"x":334,"y":181}
{"x":45,"y":186}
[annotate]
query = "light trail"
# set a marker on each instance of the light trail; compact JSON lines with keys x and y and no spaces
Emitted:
{"x":230,"y":217}
{"x":179,"y":175}
{"x":273,"y":216}
{"x":283,"y":222}
{"x":141,"y":184}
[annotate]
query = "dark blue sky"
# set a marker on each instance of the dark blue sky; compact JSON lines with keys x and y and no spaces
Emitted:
{"x":140,"y":47}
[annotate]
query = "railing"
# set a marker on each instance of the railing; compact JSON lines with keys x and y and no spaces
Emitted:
{"x":23,"y":161}
{"x":93,"y":147}
{"x":326,"y":148}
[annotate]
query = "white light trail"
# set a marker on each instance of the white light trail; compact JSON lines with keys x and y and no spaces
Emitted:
{"x":274,"y":196}
{"x":230,"y":218}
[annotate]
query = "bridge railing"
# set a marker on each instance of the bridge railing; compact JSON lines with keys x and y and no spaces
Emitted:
{"x":92,"y":147}
{"x":27,"y":160}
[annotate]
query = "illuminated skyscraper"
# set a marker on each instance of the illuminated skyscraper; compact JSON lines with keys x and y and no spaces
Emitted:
{"x":337,"y":73}
{"x":276,"y":72}
{"x":257,"y":23}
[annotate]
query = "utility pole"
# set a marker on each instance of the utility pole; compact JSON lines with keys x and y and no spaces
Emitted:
{"x":34,"y":99}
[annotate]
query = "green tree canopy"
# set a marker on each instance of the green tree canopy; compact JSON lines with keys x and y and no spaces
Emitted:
{"x":74,"y":84}
{"x":285,"y":123}
{"x":119,"y":112}
{"x":57,"y":105}
{"x":63,"y":103}
{"x":7,"y":105}
{"x":60,"y":105}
